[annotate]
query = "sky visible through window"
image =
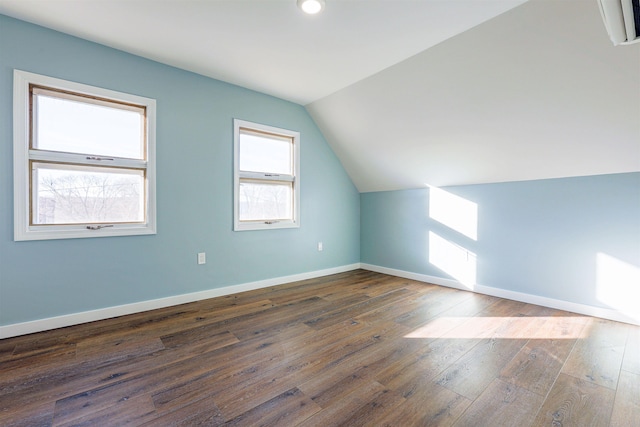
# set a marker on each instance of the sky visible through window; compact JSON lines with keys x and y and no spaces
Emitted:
{"x":76,"y":127}
{"x":264,"y":154}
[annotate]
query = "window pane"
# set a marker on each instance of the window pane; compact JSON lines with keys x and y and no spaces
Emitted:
{"x":260,"y":153}
{"x":265,"y":201}
{"x":69,"y":194}
{"x":80,"y":127}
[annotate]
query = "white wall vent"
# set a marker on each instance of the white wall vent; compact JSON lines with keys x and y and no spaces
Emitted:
{"x":622,"y":20}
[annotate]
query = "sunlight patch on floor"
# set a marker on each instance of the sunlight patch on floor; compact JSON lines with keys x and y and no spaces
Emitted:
{"x":546,"y":327}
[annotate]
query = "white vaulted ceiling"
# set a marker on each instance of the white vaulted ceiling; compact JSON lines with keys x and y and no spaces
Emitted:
{"x":266,"y":45}
{"x":407,"y":92}
{"x":538,"y":92}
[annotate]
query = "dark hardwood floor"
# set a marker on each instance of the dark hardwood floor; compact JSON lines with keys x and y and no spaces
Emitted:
{"x":353,"y":349}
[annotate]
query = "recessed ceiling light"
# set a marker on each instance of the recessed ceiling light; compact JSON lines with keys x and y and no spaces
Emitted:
{"x":311,"y":6}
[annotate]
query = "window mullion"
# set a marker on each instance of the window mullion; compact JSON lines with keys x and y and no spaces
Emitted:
{"x":260,"y":176}
{"x":85,"y":159}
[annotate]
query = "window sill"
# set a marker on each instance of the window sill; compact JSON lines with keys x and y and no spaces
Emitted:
{"x":262,"y":225}
{"x":38,"y":233}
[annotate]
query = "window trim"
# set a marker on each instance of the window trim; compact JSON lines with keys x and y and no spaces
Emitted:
{"x":24,"y":154}
{"x":237,"y":175}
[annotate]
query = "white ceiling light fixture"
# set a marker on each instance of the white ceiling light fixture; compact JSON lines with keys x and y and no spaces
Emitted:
{"x":311,"y":6}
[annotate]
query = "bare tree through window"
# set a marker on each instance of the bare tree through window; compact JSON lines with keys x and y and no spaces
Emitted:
{"x":67,"y":197}
{"x":265,"y":201}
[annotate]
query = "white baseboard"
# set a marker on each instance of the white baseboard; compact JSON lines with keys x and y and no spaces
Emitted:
{"x":137,"y":307}
{"x":40,"y":325}
{"x":589,"y":310}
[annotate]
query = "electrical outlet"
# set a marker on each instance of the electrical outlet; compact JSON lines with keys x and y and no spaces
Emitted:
{"x":320,"y":246}
{"x":202,"y":258}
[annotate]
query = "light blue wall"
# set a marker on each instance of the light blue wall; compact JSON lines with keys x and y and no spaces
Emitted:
{"x":194,"y":183}
{"x":536,"y":237}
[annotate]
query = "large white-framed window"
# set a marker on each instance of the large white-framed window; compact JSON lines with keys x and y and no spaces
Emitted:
{"x":266,"y":177}
{"x":84,"y":160}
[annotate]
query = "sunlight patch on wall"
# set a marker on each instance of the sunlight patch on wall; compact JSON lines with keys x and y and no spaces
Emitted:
{"x":560,"y":327}
{"x":454,"y":260}
{"x":618,"y":285}
{"x":454,"y":211}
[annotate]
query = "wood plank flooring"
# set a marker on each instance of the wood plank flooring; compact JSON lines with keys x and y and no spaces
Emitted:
{"x":352,"y":349}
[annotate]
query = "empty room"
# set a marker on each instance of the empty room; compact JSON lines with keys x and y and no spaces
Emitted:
{"x":320,"y":213}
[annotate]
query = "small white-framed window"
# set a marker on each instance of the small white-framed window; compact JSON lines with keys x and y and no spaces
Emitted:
{"x":266,"y":177}
{"x":84,"y":160}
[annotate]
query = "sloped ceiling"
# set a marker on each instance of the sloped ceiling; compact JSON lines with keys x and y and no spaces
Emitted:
{"x":266,"y":45}
{"x":407,"y":92}
{"x":538,"y":92}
